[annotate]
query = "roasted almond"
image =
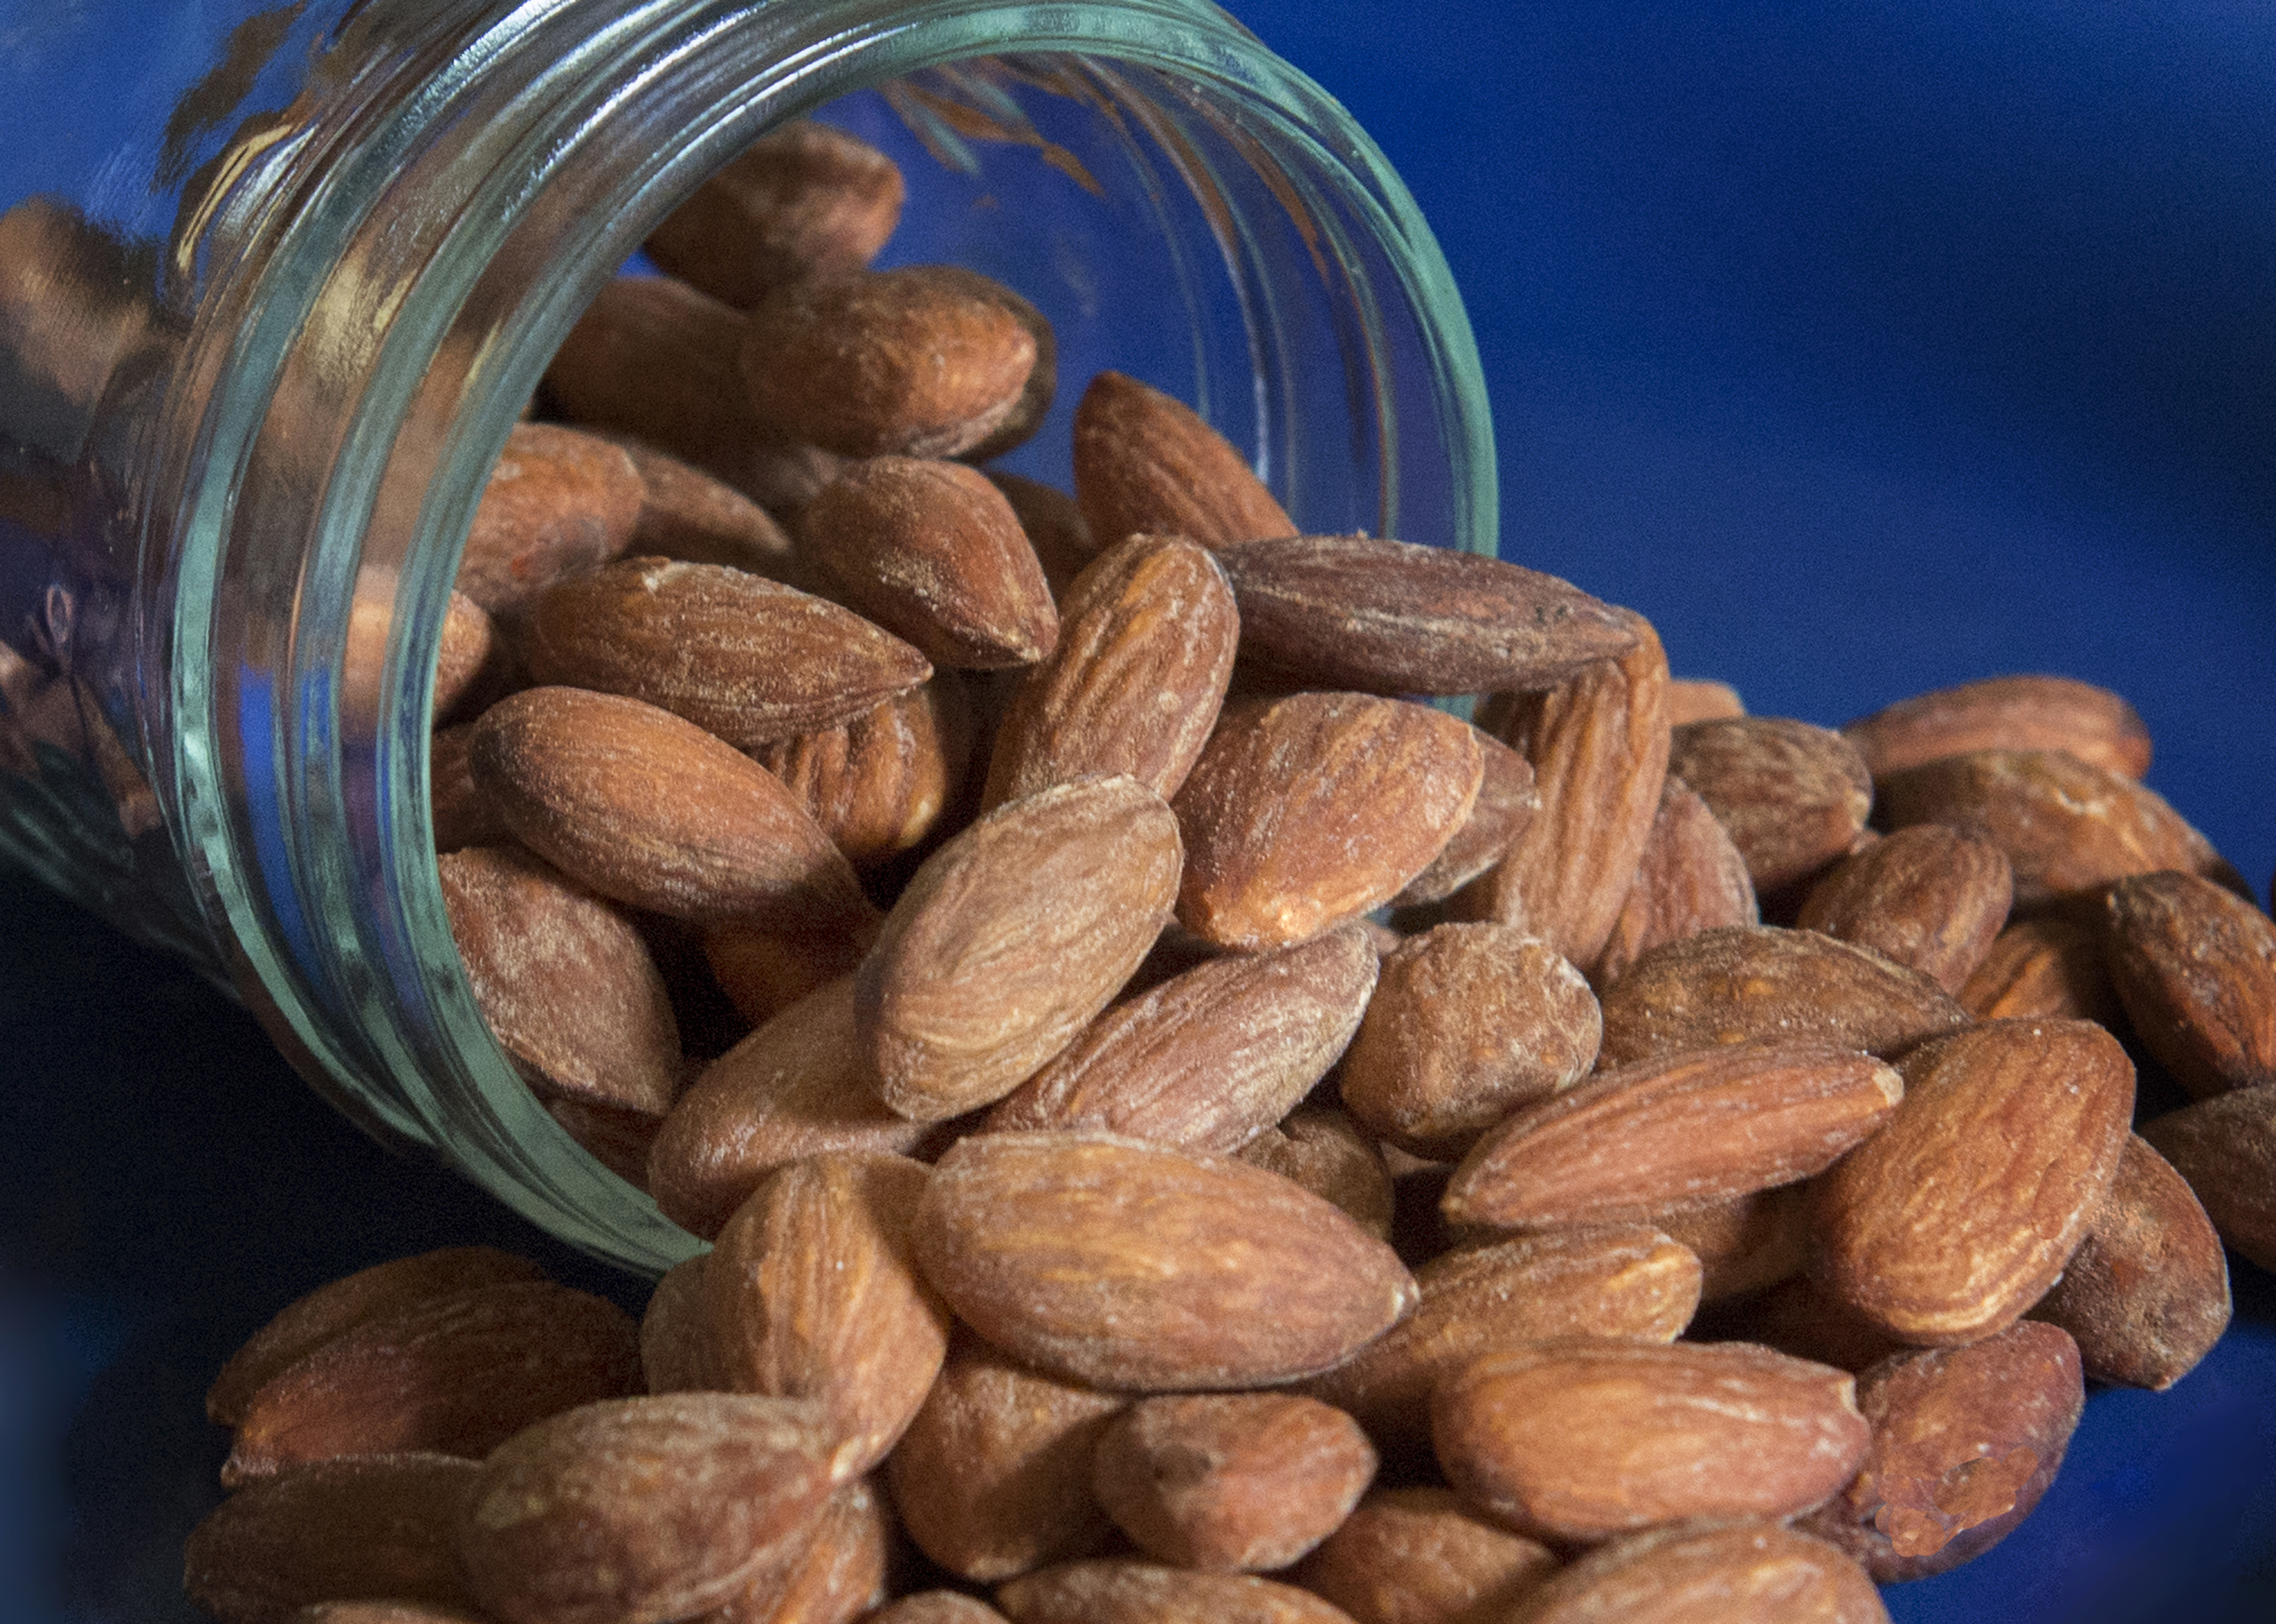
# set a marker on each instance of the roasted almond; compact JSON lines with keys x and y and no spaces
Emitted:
{"x":1506,"y":801}
{"x":1743,"y":1573}
{"x":839,"y":1576}
{"x":1054,"y":527}
{"x":1027,"y":414}
{"x":878,"y":784}
{"x":1422,"y":1556}
{"x":764,"y":971}
{"x":558,"y":502}
{"x":2006,"y":713}
{"x":693,"y":517}
{"x":2195,"y":967}
{"x":1324,"y":1150}
{"x":1794,"y":796}
{"x":1690,"y":699}
{"x":471,"y":656}
{"x":675,"y":1333}
{"x":2050,"y":966}
{"x":1799,"y":1316}
{"x":1929,"y":898}
{"x":937,"y":1607}
{"x":1745,"y":1243}
{"x":2226,"y":1148}
{"x":1122,"y":1592}
{"x":1690,"y":878}
{"x":462,"y":815}
{"x":1145,"y":464}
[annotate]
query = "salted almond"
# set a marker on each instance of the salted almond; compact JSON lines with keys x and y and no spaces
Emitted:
{"x":2146,"y":1295}
{"x":1690,"y":878}
{"x":913,"y":362}
{"x":1145,"y":464}
{"x":747,"y":659}
{"x":878,"y":784}
{"x":1041,"y":388}
{"x":1307,"y":812}
{"x":1146,"y":639}
{"x":1010,"y":939}
{"x":838,"y":1577}
{"x":764,"y":971}
{"x":2006,"y":713}
{"x":2050,"y":966}
{"x":558,"y":502}
{"x":1055,"y":529}
{"x":1745,"y":1243}
{"x":471,"y":656}
{"x":461,"y":815}
{"x":937,"y":1607}
{"x":382,"y":1613}
{"x":1690,"y":699}
{"x":1421,"y":1556}
{"x":993,"y":1476}
{"x":1962,"y":1211}
{"x":1797,"y":1315}
{"x":1622,"y":1282}
{"x":2195,"y":967}
{"x":793,"y":1089}
{"x":1965,"y":1441}
{"x":1747,"y":983}
{"x":574,"y":776}
{"x":803,"y":201}
{"x":1123,"y":1592}
{"x":1506,"y":801}
{"x":1794,"y":796}
{"x":675,"y":1335}
{"x":1209,"y":1059}
{"x":932,"y":552}
{"x":370,"y":1528}
{"x":1598,"y":746}
{"x":452,"y":1374}
{"x":696,"y":517}
{"x":647,"y":1509}
{"x":1469,"y":1022}
{"x":1929,"y":898}
{"x":1743,"y":1573}
{"x":1137,"y":1267}
{"x":2226,"y":1148}
{"x":1323,"y":1150}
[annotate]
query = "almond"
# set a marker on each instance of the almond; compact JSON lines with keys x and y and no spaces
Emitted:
{"x":1054,"y":527}
{"x":2006,"y":713}
{"x":1323,"y":1150}
{"x":1312,"y":810}
{"x":937,"y":1607}
{"x":1421,"y":1556}
{"x":1797,"y":1315}
{"x":1746,"y":1573}
{"x":878,"y":784}
{"x":764,"y":971}
{"x":1145,"y":464}
{"x":2049,"y":967}
{"x":1929,"y":898}
{"x":1134,"y":1266}
{"x":1794,"y":796}
{"x":2226,"y":1148}
{"x":1693,"y":700}
{"x":1505,"y":800}
{"x":1745,"y":1243}
{"x":2195,"y":967}
{"x":1041,"y":388}
{"x":462,"y":815}
{"x":675,"y":1333}
{"x":693,"y":517}
{"x":558,"y":502}
{"x":1962,"y":1211}
{"x":838,"y":1577}
{"x":1690,"y":878}
{"x":471,"y":656}
{"x":1120,"y":1592}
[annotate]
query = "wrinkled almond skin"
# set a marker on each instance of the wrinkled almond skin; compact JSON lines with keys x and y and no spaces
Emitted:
{"x":1506,"y":801}
{"x":2195,"y":967}
{"x":1208,"y":1059}
{"x":937,"y":1607}
{"x":558,"y":502}
{"x":1690,"y":878}
{"x":1688,"y":1129}
{"x":2226,"y":1148}
{"x":1145,"y":464}
{"x":1010,"y":939}
{"x":1745,"y":1243}
{"x":1598,"y":746}
{"x":675,"y":1333}
{"x":1954,"y":1219}
{"x":1122,"y":1592}
{"x":878,"y":784}
{"x":381,"y":1612}
{"x":1691,"y":699}
{"x":993,"y":1476}
{"x":913,"y":362}
{"x":339,"y":1306}
{"x":1929,"y":898}
{"x":1623,"y":1282}
{"x":1746,"y":983}
{"x":1018,"y":425}
{"x":462,"y":815}
{"x":1585,"y":1440}
{"x":1307,"y":812}
{"x":1383,"y":617}
{"x":2006,"y":713}
{"x":932,"y":552}
{"x":692,"y":517}
{"x":741,"y":657}
{"x":640,"y":1511}
{"x":1230,"y":1483}
{"x":368,"y":1528}
{"x":1147,"y":634}
{"x":2146,"y":1295}
{"x":1798,"y":1317}
{"x":1794,"y":796}
{"x":1135,"y":1267}
{"x":1324,"y":1150}
{"x":1469,"y":1022}
{"x":469,"y":656}
{"x":574,"y":776}
{"x":1054,"y":527}
{"x":1420,"y":1556}
{"x":1965,"y":1441}
{"x":2051,"y":966}
{"x":2067,"y":828}
{"x":764,"y":971}
{"x":838,"y":1577}
{"x":1757,"y":1572}
{"x":811,"y":1293}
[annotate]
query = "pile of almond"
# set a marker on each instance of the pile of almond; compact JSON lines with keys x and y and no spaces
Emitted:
{"x":1188,"y":1130}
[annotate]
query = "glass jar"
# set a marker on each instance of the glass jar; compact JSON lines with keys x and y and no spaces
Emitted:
{"x":264,"y":329}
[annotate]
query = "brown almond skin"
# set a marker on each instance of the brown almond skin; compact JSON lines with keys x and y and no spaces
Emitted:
{"x":642,"y":1510}
{"x":795,"y":1087}
{"x":993,"y":1476}
{"x":1323,"y":1150}
{"x":693,"y":517}
{"x":1691,"y":1128}
{"x":1954,"y":1219}
{"x":1377,"y":616}
{"x":1744,"y":1243}
{"x":675,"y":1333}
{"x":450,"y":1375}
{"x":764,"y":971}
{"x":2006,"y":713}
{"x":879,"y":786}
{"x":1135,"y":1267}
{"x":1010,"y":939}
{"x":558,"y":502}
{"x":1230,"y":1483}
{"x":381,"y":1612}
{"x":1755,"y":1572}
{"x":1748,"y":983}
{"x":1027,"y":413}
{"x":2226,"y":1148}
{"x":470,"y":656}
{"x":368,"y":1528}
{"x":1147,"y":634}
{"x":1794,"y":796}
{"x":1798,"y":1317}
{"x":2195,"y":967}
{"x":1929,"y":898}
{"x":838,"y":1577}
{"x":1210,"y":1059}
{"x":1055,"y":529}
{"x":1690,"y":878}
{"x":812,"y":1292}
{"x":1585,"y":1440}
{"x":1309,"y":811}
{"x":1622,"y":1282}
{"x":1965,"y":1441}
{"x":1145,"y":464}
{"x":1505,"y":801}
{"x":2067,"y":828}
{"x":937,"y":1607}
{"x":1598,"y":745}
{"x":1122,"y":1592}
{"x":1421,"y":1556}
{"x":1469,"y":1022}
{"x":462,"y":817}
{"x":574,"y":776}
{"x":932,"y":552}
{"x":1691,"y":699}
{"x":2146,"y":1295}
{"x":913,"y":362}
{"x":2051,"y":966}
{"x":800,"y":201}
{"x":339,"y":1306}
